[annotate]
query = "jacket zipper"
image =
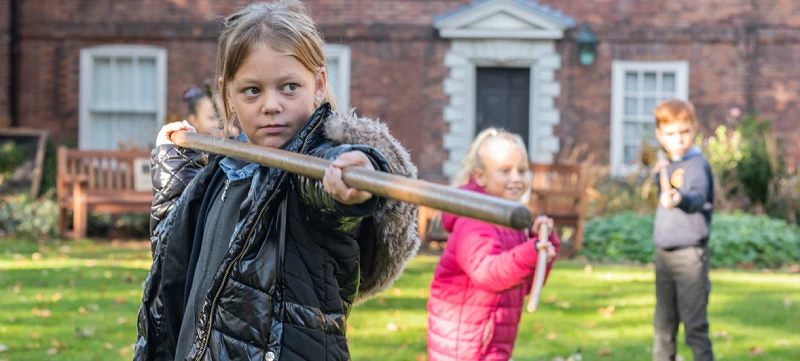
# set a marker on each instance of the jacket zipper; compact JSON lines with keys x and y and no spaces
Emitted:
{"x":225,"y":190}
{"x":241,"y":252}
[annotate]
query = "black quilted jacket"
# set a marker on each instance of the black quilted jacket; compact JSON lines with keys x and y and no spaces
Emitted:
{"x":295,"y":265}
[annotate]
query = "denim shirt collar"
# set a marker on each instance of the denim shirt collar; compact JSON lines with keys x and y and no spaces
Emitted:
{"x":237,"y":169}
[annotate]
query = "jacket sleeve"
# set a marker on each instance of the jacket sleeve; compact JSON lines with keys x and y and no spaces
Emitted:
{"x":488,"y":266}
{"x":697,"y":191}
{"x":326,"y":210}
{"x":171,"y":168}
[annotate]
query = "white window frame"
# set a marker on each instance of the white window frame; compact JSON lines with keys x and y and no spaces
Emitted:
{"x":342,"y":54}
{"x":619,"y":68}
{"x":86,"y":76}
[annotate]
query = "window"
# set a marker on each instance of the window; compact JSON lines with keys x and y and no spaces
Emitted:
{"x":338,"y":67}
{"x":636,"y":89}
{"x":122,"y":96}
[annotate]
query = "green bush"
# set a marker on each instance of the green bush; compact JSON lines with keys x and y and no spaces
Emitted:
{"x":30,"y":219}
{"x":736,"y":239}
{"x":11,"y":156}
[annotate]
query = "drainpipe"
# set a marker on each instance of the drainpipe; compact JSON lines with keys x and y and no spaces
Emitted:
{"x":13,"y":54}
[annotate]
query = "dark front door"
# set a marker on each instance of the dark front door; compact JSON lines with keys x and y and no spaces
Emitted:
{"x":502,"y":100}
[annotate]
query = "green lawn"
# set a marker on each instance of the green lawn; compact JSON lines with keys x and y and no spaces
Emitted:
{"x":78,"y":301}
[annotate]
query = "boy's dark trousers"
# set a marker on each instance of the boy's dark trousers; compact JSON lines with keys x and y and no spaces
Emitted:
{"x":682,"y":288}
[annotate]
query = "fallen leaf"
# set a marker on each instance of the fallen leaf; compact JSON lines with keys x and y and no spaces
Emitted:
{"x":82,"y":310}
{"x":34,"y":335}
{"x":721,"y":334}
{"x":39,"y":297}
{"x":56,"y":297}
{"x":122,"y":320}
{"x":563,"y":304}
{"x":587,"y":269}
{"x":397,"y":292}
{"x":41,"y":313}
{"x":552,"y":336}
{"x":756,"y":351}
{"x":591,"y":324}
{"x":537,"y":326}
{"x":108,"y":346}
{"x":559,"y":358}
{"x":392,"y":327}
{"x":107,"y":274}
{"x":84,"y":332}
{"x":604,"y":352}
{"x":782,"y":342}
{"x":36,"y":257}
{"x":119,"y":300}
{"x":93,"y":307}
{"x":421,"y":357}
{"x":52,"y":351}
{"x":64,"y":249}
{"x":58,"y":344}
{"x":551,"y":299}
{"x":607,"y":311}
{"x":91,"y":263}
{"x":17,"y":287}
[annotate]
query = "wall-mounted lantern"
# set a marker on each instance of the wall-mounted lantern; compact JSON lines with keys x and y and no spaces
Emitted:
{"x":587,"y":45}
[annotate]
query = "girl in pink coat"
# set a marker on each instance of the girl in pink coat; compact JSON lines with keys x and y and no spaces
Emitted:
{"x":485,"y":272}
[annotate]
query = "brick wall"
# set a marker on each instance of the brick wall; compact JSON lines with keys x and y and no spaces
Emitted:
{"x":5,"y":76}
{"x":739,"y":55}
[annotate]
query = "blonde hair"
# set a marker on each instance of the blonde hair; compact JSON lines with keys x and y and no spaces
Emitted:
{"x":284,"y":26}
{"x":472,"y":161}
{"x":674,"y":110}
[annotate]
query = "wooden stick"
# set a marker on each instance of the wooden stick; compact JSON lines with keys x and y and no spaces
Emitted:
{"x":539,"y":272}
{"x":451,"y":200}
{"x":662,"y":174}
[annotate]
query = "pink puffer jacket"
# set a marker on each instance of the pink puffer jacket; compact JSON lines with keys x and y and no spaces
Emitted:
{"x":478,"y":290}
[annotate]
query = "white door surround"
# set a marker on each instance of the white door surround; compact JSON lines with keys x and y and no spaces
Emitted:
{"x":502,"y":33}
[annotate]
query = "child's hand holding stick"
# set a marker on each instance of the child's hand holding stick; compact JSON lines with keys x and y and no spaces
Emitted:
{"x":669,"y":196}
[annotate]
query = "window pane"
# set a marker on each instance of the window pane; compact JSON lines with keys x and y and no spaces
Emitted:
{"x":631,"y":82}
{"x":124,"y":83}
{"x":123,"y":130}
{"x":334,"y":76}
{"x":631,"y":130}
{"x":631,"y":106}
{"x":650,"y":82}
{"x":148,"y":90}
{"x":648,"y":133}
{"x":668,"y":82}
{"x":101,"y":83}
{"x":648,"y":105}
{"x":103,"y":129}
{"x":631,"y":154}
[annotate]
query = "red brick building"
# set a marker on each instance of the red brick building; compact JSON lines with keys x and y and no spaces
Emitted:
{"x":99,"y":72}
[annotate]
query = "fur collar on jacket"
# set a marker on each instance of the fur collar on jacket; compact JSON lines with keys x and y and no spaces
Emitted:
{"x":396,"y":223}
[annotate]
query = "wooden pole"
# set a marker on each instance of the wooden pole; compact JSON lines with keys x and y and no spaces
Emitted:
{"x":451,"y":200}
{"x":541,"y":269}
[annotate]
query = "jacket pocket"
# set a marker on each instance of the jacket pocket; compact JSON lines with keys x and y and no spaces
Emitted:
{"x":488,"y":334}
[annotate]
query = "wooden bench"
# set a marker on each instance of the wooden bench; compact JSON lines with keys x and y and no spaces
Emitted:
{"x":557,"y":190}
{"x":100,"y":181}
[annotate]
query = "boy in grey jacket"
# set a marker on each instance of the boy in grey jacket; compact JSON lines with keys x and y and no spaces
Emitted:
{"x":682,"y":228}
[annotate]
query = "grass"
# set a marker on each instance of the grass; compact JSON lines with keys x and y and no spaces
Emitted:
{"x":78,"y":301}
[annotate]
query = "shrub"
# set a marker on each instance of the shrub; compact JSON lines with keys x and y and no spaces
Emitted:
{"x":736,"y":239}
{"x":30,"y":219}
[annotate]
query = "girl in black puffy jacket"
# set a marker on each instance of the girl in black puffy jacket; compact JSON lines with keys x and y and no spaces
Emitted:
{"x":254,"y":263}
